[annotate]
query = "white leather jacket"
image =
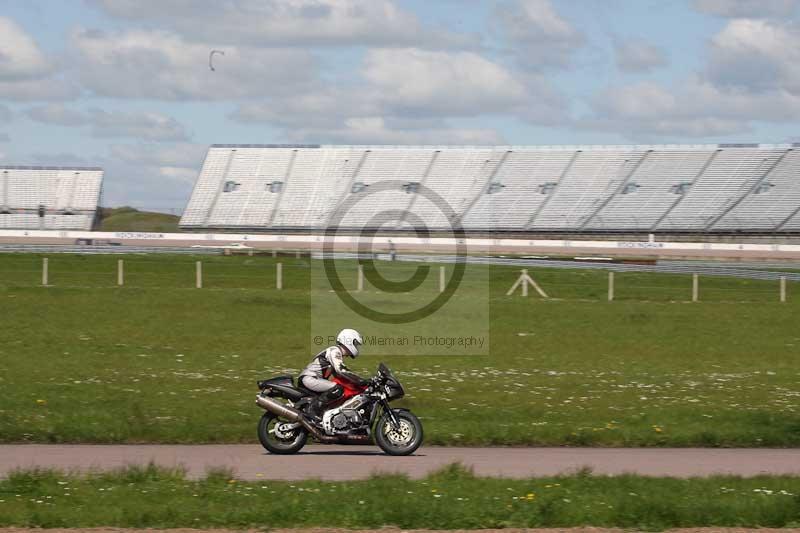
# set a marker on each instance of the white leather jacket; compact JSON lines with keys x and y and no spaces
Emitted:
{"x":330,"y":361}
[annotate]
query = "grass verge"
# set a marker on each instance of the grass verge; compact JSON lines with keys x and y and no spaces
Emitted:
{"x":161,"y":361}
{"x":450,"y":499}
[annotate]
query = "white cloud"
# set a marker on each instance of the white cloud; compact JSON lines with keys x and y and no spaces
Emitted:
{"x":415,"y":83}
{"x":328,"y":117}
{"x":185,"y":175}
{"x":695,"y":109}
{"x":162,"y":65}
{"x":752,"y":77}
{"x":376,"y":130}
{"x":57,"y":114}
{"x":634,"y":55}
{"x":26,"y":74}
{"x":4,"y":138}
{"x":61,"y":159}
{"x":45,"y":89}
{"x":758,"y":55}
{"x":20,"y":56}
{"x":322,"y":107}
{"x":109,"y":124}
{"x":443,"y":83}
{"x":540,"y":37}
{"x":175,"y":155}
{"x":5,"y":113}
{"x":152,"y":175}
{"x":142,"y":125}
{"x":407,"y":96}
{"x":747,"y":8}
{"x":286,"y":22}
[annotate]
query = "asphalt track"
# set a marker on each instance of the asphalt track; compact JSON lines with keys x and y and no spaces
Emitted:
{"x":357,"y":462}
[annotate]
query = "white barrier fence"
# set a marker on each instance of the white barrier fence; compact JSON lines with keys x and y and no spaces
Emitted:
{"x":524,"y":281}
{"x":317,"y":241}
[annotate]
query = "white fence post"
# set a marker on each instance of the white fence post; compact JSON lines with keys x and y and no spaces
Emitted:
{"x":199,"y":275}
{"x":441,"y":279}
{"x":44,"y":271}
{"x":279,"y":276}
{"x":610,"y":286}
{"x":120,"y":273}
{"x":695,"y":287}
{"x":783,"y":289}
{"x":360,"y":278}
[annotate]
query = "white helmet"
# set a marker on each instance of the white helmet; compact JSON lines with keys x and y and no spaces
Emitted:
{"x":350,"y":339}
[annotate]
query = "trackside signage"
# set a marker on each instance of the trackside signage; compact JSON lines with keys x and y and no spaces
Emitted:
{"x":138,"y":236}
{"x":626,"y":244}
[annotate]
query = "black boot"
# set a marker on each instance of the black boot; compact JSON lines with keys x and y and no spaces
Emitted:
{"x":317,"y":407}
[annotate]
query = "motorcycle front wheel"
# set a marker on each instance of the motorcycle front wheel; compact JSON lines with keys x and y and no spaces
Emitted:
{"x":401,"y":440}
{"x":275,"y":438}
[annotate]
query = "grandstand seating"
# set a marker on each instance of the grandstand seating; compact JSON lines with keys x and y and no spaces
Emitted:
{"x":669,"y":188}
{"x":774,"y":200}
{"x":593,"y":177}
{"x":66,"y":196}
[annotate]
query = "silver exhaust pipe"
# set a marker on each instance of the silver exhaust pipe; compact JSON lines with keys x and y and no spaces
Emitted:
{"x":279,"y":409}
{"x":293,"y":415}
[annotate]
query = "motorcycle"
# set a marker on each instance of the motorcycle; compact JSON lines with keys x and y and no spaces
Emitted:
{"x":360,"y":416}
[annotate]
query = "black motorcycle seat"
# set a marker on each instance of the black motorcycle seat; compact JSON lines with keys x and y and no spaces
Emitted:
{"x":293,"y":393}
{"x":284,"y":385}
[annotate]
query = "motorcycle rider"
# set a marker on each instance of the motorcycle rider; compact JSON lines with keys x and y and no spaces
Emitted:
{"x":330,"y":362}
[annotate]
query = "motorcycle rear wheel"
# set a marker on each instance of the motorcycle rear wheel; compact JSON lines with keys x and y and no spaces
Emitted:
{"x":271,"y":440}
{"x":399,"y":441}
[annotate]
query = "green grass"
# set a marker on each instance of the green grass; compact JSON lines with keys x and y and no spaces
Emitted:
{"x":449,"y":499}
{"x":130,"y":219}
{"x":160,"y":361}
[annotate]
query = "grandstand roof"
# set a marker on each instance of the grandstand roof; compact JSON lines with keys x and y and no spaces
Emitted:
{"x":36,"y":167}
{"x":518,"y":146}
